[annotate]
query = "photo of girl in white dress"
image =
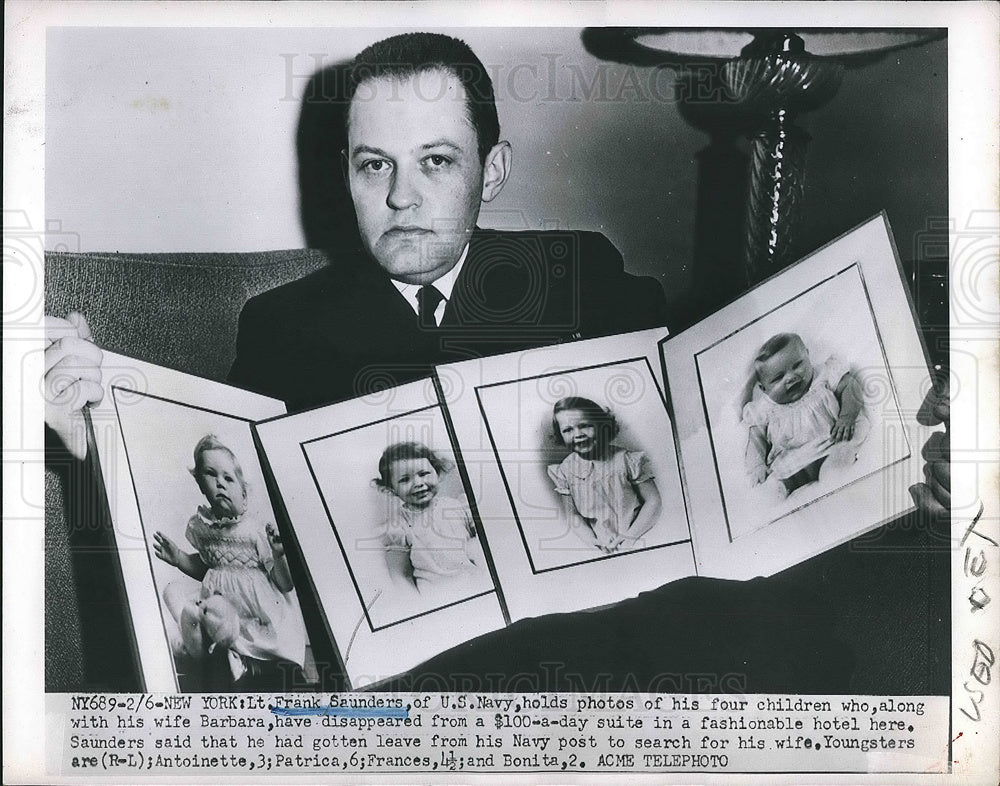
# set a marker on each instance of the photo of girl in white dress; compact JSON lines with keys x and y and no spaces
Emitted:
{"x":430,"y":539}
{"x":245,"y":583}
{"x":611,"y":496}
{"x":400,"y":511}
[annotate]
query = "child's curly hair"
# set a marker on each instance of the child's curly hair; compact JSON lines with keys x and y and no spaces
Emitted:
{"x":401,"y":451}
{"x":603,"y":419}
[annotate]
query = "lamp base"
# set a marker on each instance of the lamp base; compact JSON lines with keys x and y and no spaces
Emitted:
{"x":777,"y":180}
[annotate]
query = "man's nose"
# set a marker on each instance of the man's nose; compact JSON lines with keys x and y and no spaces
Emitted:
{"x":403,"y":191}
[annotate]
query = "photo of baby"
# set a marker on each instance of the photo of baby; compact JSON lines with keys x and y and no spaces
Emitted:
{"x":803,"y":419}
{"x":588,"y":461}
{"x":397,"y":505}
{"x":228,"y":605}
{"x":800,"y":403}
{"x":610,"y":492}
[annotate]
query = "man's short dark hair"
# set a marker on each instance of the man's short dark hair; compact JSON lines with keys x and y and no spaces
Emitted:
{"x":403,"y":56}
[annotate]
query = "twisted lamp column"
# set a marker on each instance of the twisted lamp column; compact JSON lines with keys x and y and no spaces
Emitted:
{"x":774,"y":79}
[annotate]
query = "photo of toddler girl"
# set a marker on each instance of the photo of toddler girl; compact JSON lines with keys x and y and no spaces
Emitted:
{"x":610,"y":494}
{"x":429,"y":539}
{"x":245,"y":604}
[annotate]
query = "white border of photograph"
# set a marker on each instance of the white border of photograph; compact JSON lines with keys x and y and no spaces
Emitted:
{"x":863,"y":503}
{"x":574,"y":587}
{"x":368,"y":656}
{"x":139,"y":566}
{"x":344,"y":467}
{"x":835,"y":324}
{"x":519,"y":418}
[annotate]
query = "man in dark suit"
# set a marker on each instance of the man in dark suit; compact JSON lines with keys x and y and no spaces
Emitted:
{"x":423,"y":155}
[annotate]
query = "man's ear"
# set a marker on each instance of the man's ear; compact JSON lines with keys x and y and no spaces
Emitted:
{"x":496,"y":168}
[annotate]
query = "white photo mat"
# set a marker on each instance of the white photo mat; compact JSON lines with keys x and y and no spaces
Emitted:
{"x":145,"y":430}
{"x":510,"y":390}
{"x":876,"y":331}
{"x":330,"y":518}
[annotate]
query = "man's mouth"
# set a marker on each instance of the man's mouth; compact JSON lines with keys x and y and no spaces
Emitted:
{"x":407,"y":231}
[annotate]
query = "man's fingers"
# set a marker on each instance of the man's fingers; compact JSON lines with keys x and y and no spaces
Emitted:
{"x":924,"y":498}
{"x":67,"y":372}
{"x":937,"y":447}
{"x":76,"y":395}
{"x":79,"y":321}
{"x":57,"y":328}
{"x":936,"y":407}
{"x":940,"y":471}
{"x":940,"y":490}
{"x":73,"y":326}
{"x":72,"y":345}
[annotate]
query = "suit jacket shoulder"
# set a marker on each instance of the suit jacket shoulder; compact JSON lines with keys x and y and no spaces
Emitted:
{"x":345,"y":330}
{"x":567,"y":283}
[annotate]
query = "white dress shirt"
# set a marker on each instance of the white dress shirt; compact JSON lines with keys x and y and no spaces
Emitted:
{"x":444,"y":285}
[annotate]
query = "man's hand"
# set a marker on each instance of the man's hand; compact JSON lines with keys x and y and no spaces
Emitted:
{"x":72,"y":379}
{"x":933,"y":496}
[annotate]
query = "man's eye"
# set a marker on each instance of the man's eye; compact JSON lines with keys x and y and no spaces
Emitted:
{"x":437,"y":161}
{"x":375,"y":166}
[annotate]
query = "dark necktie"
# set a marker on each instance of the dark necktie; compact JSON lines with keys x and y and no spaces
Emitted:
{"x":428,"y":298}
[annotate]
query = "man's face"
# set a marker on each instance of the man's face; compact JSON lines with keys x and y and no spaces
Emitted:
{"x":414,"y":173}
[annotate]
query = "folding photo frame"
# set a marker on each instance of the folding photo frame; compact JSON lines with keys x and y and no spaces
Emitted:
{"x":848,"y":299}
{"x":554,"y":479}
{"x":144,"y":432}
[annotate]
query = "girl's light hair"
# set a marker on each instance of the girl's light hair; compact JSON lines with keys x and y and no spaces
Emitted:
{"x":212,"y":442}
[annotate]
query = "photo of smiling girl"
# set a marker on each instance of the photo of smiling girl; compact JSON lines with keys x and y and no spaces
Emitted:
{"x":610,"y":493}
{"x":430,"y":539}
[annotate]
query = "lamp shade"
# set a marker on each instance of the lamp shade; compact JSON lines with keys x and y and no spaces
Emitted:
{"x":852,"y":47}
